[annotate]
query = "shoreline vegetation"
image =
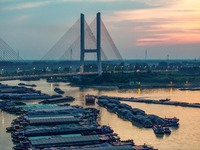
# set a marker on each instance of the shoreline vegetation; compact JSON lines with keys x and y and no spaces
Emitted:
{"x":138,"y":80}
{"x":123,"y":80}
{"x":116,"y":74}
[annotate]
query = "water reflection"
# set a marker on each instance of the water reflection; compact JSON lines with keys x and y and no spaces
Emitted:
{"x":139,"y":91}
{"x":2,"y":119}
{"x":51,"y":89}
{"x":81,"y":97}
{"x":186,"y":93}
{"x":171,"y":92}
{"x":160,"y":136}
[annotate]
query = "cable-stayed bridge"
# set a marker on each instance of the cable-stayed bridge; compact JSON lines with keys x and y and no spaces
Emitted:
{"x":68,"y":46}
{"x":7,"y":53}
{"x":82,"y":42}
{"x":82,"y":38}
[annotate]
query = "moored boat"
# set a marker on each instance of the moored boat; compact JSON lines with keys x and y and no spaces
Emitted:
{"x":23,"y":84}
{"x":164,"y":100}
{"x":89,"y":99}
{"x":167,"y":130}
{"x":158,"y":129}
{"x":59,"y":91}
{"x":57,"y":100}
{"x":172,"y":121}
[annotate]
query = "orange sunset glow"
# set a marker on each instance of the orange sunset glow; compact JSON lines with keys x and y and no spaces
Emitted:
{"x":176,"y":23}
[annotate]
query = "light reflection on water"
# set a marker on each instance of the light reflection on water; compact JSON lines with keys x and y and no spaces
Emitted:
{"x":5,"y":138}
{"x":185,"y":137}
{"x":2,"y":119}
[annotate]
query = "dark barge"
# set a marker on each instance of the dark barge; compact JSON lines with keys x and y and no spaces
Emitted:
{"x":57,"y":100}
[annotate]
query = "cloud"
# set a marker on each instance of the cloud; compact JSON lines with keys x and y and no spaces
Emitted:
{"x":176,"y":23}
{"x":37,"y":3}
{"x":150,"y":41}
{"x":25,"y":5}
{"x":22,"y":18}
{"x":158,"y":3}
{"x":3,"y":1}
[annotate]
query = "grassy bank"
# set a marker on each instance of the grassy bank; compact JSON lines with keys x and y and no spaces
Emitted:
{"x":136,"y":79}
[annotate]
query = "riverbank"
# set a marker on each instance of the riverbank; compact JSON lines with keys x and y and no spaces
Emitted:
{"x":143,"y":86}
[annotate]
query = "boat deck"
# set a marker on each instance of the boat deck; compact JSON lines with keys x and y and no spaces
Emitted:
{"x":53,"y":120}
{"x":68,"y":141}
{"x":57,"y":130}
{"x":128,"y":147}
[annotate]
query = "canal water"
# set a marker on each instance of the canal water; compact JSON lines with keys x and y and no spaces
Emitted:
{"x":186,"y":137}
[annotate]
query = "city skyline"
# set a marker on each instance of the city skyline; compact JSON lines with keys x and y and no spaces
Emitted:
{"x":163,"y":28}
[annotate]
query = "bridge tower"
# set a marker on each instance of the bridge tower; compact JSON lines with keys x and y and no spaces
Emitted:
{"x":98,"y":46}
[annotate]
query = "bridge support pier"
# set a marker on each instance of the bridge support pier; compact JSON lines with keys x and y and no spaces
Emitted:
{"x":82,"y":42}
{"x":98,"y":46}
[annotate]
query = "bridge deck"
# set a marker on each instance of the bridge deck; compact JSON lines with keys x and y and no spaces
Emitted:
{"x":47,"y":75}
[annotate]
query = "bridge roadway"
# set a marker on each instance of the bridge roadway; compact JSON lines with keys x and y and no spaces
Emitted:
{"x":46,"y":75}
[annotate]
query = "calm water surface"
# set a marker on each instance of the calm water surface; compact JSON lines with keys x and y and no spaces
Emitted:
{"x":186,"y":137}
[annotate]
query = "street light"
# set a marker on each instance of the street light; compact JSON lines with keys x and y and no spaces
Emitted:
{"x":2,"y":71}
{"x":114,"y":68}
{"x":18,"y":70}
{"x":70,"y":68}
{"x":33,"y":70}
{"x":107,"y":68}
{"x":122,"y":68}
{"x":59,"y":69}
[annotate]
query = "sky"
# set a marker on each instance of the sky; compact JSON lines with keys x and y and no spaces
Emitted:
{"x":160,"y":27}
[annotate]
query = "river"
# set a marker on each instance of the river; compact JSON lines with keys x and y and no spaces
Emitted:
{"x":186,"y":137}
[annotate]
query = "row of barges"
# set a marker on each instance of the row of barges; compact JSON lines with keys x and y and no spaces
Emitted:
{"x":20,"y":93}
{"x":160,"y":102}
{"x":137,"y":116}
{"x":65,"y":127}
{"x":49,"y":126}
{"x":57,"y":100}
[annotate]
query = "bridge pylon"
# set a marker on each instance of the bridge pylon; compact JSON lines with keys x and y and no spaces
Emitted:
{"x":98,"y":45}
